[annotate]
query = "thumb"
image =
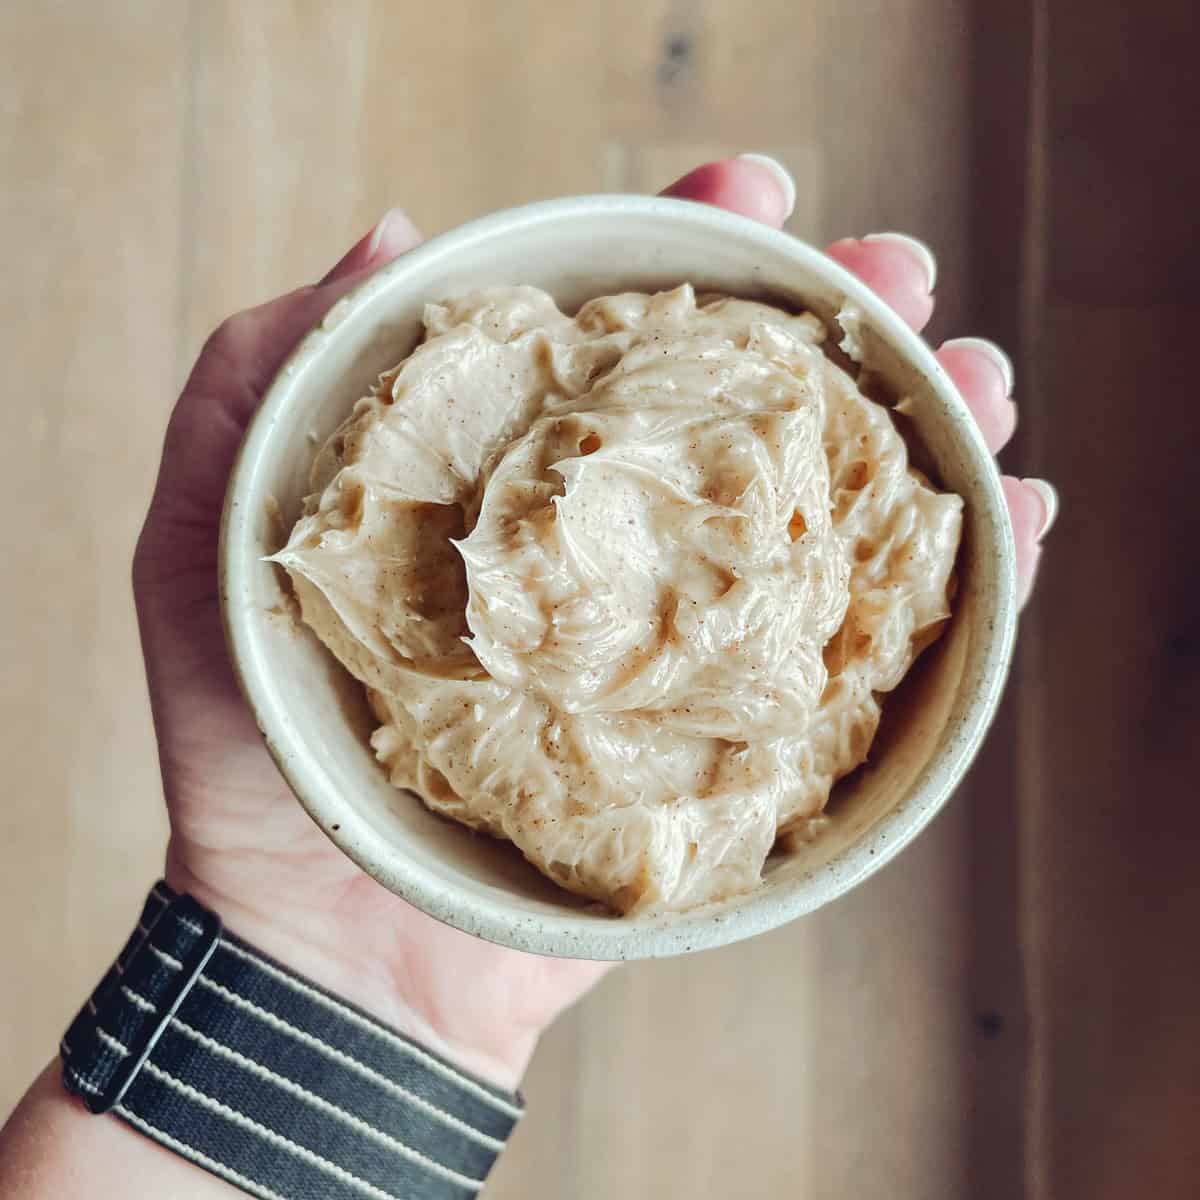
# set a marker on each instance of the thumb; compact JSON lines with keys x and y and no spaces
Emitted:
{"x":242,"y":356}
{"x":392,"y":236}
{"x":237,"y":364}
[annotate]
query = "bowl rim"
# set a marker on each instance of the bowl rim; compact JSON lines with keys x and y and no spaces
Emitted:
{"x":666,"y":934}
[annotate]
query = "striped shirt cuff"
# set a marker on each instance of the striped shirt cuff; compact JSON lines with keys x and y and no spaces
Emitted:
{"x":229,"y":1059}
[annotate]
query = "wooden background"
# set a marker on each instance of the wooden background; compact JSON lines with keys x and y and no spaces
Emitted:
{"x":1008,"y":1011}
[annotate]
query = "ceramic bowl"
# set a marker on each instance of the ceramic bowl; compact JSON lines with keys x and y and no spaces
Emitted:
{"x":314,"y":717}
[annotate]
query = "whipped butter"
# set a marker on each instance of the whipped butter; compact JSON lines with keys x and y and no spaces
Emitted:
{"x":625,"y":587}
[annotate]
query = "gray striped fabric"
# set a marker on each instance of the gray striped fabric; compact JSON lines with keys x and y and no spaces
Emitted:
{"x":270,"y":1082}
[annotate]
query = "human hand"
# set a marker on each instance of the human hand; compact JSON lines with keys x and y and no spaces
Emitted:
{"x":239,"y":842}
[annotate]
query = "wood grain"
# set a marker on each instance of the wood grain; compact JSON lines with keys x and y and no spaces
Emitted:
{"x":1108,"y":725}
{"x":171,"y":162}
{"x":90,"y":220}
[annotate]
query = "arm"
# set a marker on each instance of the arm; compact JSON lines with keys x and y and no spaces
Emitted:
{"x":240,"y":844}
{"x":52,"y":1147}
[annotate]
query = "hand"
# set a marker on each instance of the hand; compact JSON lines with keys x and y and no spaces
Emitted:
{"x":239,"y":842}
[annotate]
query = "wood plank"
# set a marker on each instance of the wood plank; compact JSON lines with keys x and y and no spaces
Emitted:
{"x":1109,"y":790}
{"x":275,"y":153}
{"x":998,"y":1050}
{"x":1108,"y":728}
{"x":89,"y":214}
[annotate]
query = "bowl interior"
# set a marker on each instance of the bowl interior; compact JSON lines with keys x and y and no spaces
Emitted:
{"x":315,"y":718}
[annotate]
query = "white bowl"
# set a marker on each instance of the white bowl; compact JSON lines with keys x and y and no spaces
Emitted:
{"x":314,"y":717}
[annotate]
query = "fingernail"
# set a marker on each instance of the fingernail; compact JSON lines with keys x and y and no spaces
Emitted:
{"x":1030,"y":579}
{"x":1049,"y":497}
{"x":393,"y":222}
{"x":992,"y":351}
{"x":782,"y":176}
{"x":918,"y":249}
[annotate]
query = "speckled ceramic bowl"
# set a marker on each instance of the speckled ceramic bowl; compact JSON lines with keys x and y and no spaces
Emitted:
{"x":314,"y":717}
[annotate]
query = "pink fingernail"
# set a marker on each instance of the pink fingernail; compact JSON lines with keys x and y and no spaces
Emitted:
{"x":918,"y":249}
{"x":393,"y":222}
{"x":782,"y":176}
{"x":1030,"y":579}
{"x":991,"y":351}
{"x":1048,"y":494}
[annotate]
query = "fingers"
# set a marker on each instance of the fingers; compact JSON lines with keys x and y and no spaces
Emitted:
{"x":1033,"y":507}
{"x":900,"y":270}
{"x":753,"y":185}
{"x":903,"y":272}
{"x":983,"y":374}
{"x":392,"y":236}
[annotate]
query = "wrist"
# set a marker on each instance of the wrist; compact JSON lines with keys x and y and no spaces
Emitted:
{"x":51,"y":1148}
{"x":223,"y":1055}
{"x":497,"y":1053}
